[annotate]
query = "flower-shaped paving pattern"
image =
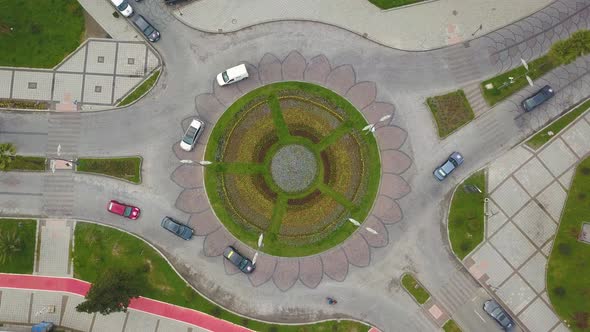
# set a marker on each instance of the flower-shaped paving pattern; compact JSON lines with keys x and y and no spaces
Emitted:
{"x":373,"y":233}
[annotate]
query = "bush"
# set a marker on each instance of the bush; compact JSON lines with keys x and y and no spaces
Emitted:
{"x":564,"y":249}
{"x":559,"y":291}
{"x":567,"y":50}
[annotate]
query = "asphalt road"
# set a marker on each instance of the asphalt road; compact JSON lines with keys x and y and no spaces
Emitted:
{"x":152,"y":126}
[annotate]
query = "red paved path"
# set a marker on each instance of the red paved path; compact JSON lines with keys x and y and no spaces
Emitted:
{"x":79,"y":287}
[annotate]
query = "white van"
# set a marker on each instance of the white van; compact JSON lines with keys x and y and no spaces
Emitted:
{"x":232,"y":75}
{"x":123,"y":7}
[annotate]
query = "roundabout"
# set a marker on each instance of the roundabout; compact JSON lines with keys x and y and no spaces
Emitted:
{"x":290,"y":160}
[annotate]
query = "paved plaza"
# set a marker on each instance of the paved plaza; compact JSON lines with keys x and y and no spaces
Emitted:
{"x":96,"y":75}
{"x":527,"y":191}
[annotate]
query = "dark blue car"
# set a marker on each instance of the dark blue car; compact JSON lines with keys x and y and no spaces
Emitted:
{"x":177,"y":228}
{"x":538,"y":98}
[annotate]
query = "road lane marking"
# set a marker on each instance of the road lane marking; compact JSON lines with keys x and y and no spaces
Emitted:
{"x":478,"y":315}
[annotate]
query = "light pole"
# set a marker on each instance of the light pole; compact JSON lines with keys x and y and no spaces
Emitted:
{"x":371,"y":127}
{"x":202,"y":162}
{"x":260,"y":238}
{"x":358,"y":224}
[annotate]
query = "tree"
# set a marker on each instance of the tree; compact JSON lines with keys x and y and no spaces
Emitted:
{"x":112,"y":291}
{"x":7,"y":153}
{"x":10,"y":243}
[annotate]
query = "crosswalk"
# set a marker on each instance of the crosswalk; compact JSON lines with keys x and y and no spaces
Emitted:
{"x":462,"y":64}
{"x":475,"y":98}
{"x":456,"y":291}
{"x":59,"y":194}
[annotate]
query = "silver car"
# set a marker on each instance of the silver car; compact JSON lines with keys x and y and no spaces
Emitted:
{"x":441,"y":172}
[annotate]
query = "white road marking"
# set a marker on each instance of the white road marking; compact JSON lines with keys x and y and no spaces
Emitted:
{"x":478,"y":315}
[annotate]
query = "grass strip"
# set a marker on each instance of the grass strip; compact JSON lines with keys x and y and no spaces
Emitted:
{"x":277,"y":117}
{"x":238,"y":168}
{"x":542,"y":137}
{"x":334,"y":136}
{"x":99,"y":247}
{"x":278,"y":212}
{"x":336,"y":196}
{"x":450,"y":111}
{"x":501,"y":86}
{"x":27,"y":163}
{"x":451,"y":326}
{"x":141,"y":90}
{"x":415,"y":288}
{"x":568,"y":268}
{"x":22,"y":260}
{"x":388,"y":4}
{"x":466,"y":217}
{"x":127,"y":168}
{"x":39,"y":34}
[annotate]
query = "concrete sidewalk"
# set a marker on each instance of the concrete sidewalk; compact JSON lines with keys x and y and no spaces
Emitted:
{"x":118,"y":28}
{"x":421,"y":26}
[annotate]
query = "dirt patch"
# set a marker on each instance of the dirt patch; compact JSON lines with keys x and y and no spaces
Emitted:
{"x":92,"y":29}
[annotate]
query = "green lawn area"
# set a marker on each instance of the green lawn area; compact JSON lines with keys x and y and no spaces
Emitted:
{"x":451,"y":326}
{"x":27,"y":163}
{"x":466,"y":218}
{"x":37,"y":33}
{"x":143,"y":88}
{"x":415,"y":288}
{"x":23,"y":260}
{"x":98,"y":247}
{"x":542,"y":137}
{"x":387,"y":4}
{"x":502,"y":89}
{"x":450,"y":111}
{"x":568,"y":269}
{"x":128,"y":168}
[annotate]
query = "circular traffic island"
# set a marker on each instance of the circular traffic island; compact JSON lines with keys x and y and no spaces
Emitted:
{"x":290,"y":160}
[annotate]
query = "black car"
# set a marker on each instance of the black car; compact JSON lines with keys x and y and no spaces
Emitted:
{"x":177,"y":228}
{"x":144,"y":26}
{"x":495,"y":311}
{"x":538,"y":98}
{"x":173,"y":2}
{"x":244,"y":264}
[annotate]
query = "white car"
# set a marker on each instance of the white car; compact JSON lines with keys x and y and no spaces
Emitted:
{"x":232,"y":75}
{"x":123,"y":7}
{"x":192,"y":134}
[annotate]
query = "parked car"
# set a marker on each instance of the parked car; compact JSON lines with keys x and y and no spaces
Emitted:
{"x":177,"y":228}
{"x":173,"y":2}
{"x":232,"y":75}
{"x":538,"y":98}
{"x":441,"y":172}
{"x":123,"y":7}
{"x":125,"y":210}
{"x":146,"y":28}
{"x":192,"y":134}
{"x":498,"y":313}
{"x":244,"y":264}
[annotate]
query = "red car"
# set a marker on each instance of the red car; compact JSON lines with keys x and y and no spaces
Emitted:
{"x":124,"y":210}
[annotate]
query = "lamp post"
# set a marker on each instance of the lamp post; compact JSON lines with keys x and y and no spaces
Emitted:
{"x":202,"y":162}
{"x":371,"y":127}
{"x":358,"y":224}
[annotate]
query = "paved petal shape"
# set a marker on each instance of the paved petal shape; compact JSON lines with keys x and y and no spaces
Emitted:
{"x":196,"y":154}
{"x":252,"y":82}
{"x":317,"y":70}
{"x":216,"y":242}
{"x":376,"y":111}
{"x":188,"y":176}
{"x":362,"y":94}
{"x":390,"y":137}
{"x":265,"y":267}
{"x":204,"y":223}
{"x":394,"y":186}
{"x":357,"y":250}
{"x":374,"y":240}
{"x":270,"y":69}
{"x":293,"y":67}
{"x":311,"y":271}
{"x":209,"y":107}
{"x":335,"y":264}
{"x":387,"y":210}
{"x":395,"y":161}
{"x":341,"y":79}
{"x":192,"y":200}
{"x":226,"y":94}
{"x":286,"y":273}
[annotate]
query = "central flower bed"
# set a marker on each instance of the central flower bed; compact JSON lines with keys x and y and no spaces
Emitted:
{"x":290,"y":161}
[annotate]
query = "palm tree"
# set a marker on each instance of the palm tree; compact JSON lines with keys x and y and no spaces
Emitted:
{"x":10,"y":244}
{"x":7,"y":153}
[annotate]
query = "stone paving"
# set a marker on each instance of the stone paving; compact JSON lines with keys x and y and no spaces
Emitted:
{"x":527,"y":191}
{"x":54,"y":254}
{"x":356,"y":250}
{"x":96,"y":75}
{"x":30,"y":307}
{"x":450,"y":21}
